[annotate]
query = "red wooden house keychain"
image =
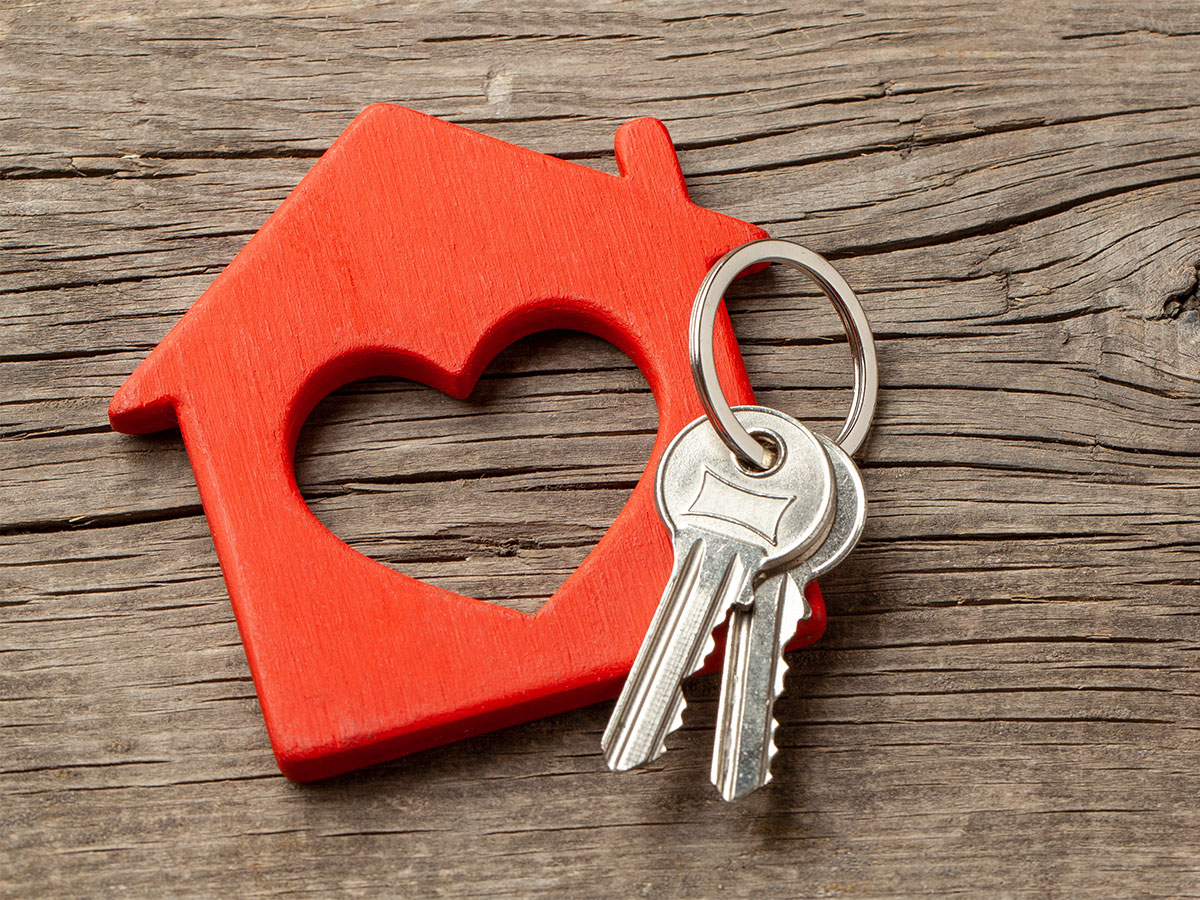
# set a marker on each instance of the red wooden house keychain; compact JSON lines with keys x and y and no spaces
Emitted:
{"x":417,"y":248}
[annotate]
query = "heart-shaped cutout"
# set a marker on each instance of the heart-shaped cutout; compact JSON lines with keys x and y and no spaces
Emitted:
{"x":499,"y":496}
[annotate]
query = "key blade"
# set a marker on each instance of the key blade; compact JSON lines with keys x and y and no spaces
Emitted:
{"x":755,"y":667}
{"x":751,"y":682}
{"x":706,"y":581}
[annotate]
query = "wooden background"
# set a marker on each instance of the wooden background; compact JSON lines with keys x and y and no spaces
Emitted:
{"x":1005,"y":703}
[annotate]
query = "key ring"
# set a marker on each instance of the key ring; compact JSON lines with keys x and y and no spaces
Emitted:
{"x":858,"y":331}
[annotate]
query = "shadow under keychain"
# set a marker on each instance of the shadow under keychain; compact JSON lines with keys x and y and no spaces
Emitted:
{"x":757,"y":506}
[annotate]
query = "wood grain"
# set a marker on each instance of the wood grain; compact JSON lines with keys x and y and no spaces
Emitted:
{"x":1005,"y":701}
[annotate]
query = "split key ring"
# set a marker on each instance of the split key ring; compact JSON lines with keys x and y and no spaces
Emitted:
{"x":745,"y":446}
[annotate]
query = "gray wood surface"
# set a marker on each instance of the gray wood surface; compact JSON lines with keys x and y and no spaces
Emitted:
{"x":1005,"y":704}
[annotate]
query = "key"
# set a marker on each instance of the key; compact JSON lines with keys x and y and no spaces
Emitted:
{"x":727,"y":524}
{"x":754,"y":668}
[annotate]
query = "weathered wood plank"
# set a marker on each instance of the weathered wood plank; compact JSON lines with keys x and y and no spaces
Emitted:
{"x":1005,"y":703}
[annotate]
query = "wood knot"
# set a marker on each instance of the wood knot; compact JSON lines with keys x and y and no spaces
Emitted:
{"x":1184,"y":299}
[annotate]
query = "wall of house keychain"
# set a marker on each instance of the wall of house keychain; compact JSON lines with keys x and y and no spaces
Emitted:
{"x":758,"y":506}
{"x":417,"y":248}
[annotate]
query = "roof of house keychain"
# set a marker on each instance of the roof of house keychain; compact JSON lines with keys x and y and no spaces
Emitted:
{"x":758,"y":506}
{"x":418,"y":248}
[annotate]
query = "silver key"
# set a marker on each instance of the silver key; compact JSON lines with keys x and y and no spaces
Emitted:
{"x":728,"y":524}
{"x":755,"y":667}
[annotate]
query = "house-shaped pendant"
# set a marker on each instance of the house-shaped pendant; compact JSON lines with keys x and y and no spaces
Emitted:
{"x":418,"y":248}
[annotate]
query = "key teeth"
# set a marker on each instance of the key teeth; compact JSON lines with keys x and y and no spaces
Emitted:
{"x":772,"y":752}
{"x":780,"y":676}
{"x":710,"y":644}
{"x":617,"y":763}
{"x":677,"y":722}
{"x":662,"y":748}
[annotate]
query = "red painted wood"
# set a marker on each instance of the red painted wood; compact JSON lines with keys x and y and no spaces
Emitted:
{"x":418,"y":248}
